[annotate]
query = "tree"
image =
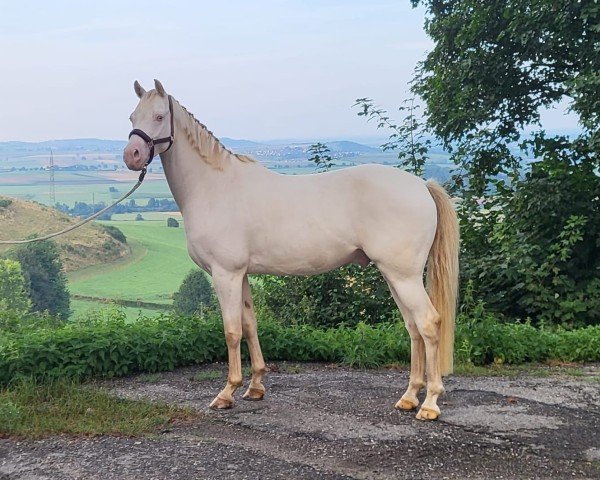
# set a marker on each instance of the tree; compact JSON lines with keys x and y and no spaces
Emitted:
{"x":496,"y":63}
{"x":530,"y":231}
{"x":320,"y":154}
{"x":43,"y":272}
{"x":194,"y":295}
{"x":13,"y":287}
{"x":408,"y":138}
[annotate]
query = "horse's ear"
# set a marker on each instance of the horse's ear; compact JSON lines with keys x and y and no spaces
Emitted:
{"x":139,"y":90}
{"x":159,"y":88}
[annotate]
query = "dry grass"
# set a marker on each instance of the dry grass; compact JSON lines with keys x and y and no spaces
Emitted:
{"x":83,"y":247}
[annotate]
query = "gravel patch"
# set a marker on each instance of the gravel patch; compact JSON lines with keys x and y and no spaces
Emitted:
{"x":327,"y":422}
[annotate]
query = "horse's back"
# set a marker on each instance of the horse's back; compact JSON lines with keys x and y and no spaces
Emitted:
{"x":328,"y":218}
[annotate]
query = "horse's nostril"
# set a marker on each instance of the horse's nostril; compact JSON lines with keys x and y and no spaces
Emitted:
{"x":136,"y":153}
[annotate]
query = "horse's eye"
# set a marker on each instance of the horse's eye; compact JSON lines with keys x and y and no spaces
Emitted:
{"x":159,"y":118}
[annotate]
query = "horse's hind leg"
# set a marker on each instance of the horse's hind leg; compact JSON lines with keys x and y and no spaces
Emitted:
{"x":256,"y":390}
{"x":409,"y":400}
{"x":422,"y":320}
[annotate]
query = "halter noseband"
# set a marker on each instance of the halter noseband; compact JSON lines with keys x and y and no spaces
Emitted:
{"x":151,"y":141}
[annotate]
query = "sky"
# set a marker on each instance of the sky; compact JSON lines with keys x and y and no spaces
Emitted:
{"x":260,"y":70}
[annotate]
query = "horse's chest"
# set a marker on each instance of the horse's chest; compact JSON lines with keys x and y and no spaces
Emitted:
{"x":209,"y":247}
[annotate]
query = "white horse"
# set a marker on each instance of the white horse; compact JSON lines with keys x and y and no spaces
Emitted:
{"x":240,"y":218}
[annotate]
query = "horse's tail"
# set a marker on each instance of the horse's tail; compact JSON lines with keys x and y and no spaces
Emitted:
{"x":442,"y":272}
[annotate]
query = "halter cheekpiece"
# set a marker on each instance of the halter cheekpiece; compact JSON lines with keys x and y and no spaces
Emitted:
{"x":155,"y":141}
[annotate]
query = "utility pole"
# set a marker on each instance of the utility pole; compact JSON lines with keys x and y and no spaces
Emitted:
{"x":52,"y":186}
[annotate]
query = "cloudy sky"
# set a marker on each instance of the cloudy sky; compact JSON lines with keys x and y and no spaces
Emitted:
{"x":255,"y":70}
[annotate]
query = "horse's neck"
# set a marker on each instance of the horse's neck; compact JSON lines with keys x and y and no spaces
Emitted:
{"x":191,"y":177}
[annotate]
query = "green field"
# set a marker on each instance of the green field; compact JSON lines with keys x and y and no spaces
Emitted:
{"x":155,"y":270}
{"x":71,"y":187}
{"x":84,"y":308}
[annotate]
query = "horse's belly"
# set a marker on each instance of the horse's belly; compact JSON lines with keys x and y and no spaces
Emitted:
{"x":306,"y":263}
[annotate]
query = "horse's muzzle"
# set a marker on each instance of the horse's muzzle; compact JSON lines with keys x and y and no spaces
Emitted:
{"x":136,"y":153}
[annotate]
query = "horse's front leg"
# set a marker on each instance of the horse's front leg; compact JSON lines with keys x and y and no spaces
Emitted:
{"x":256,"y":390}
{"x":228,"y":287}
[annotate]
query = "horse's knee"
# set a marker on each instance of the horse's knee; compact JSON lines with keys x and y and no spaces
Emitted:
{"x":233,"y":339}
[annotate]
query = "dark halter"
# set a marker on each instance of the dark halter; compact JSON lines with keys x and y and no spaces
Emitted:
{"x":152,"y":141}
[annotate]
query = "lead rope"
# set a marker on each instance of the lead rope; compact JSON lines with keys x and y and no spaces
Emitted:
{"x":81,"y":222}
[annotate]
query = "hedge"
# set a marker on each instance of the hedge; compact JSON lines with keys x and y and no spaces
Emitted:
{"x":116,"y":348}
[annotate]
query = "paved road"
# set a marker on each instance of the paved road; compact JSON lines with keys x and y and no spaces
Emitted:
{"x":331,"y":423}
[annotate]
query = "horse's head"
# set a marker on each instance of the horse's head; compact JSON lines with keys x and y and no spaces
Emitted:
{"x":152,"y":126}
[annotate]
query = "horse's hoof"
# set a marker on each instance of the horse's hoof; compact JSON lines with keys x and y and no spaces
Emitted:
{"x":221,"y":404}
{"x":254,"y":394}
{"x":406,"y":405}
{"x":427,"y":414}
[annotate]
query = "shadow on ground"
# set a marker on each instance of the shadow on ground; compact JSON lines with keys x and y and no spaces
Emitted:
{"x":324,"y":422}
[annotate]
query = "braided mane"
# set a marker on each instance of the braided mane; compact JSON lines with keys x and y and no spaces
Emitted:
{"x":204,"y":141}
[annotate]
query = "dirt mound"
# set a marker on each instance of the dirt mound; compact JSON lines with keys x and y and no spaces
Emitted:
{"x":85,"y":246}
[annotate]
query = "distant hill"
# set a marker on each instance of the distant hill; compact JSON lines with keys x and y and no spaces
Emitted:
{"x":351,"y":147}
{"x":91,"y":145}
{"x":85,"y":246}
{"x":236,"y":144}
{"x":78,"y":145}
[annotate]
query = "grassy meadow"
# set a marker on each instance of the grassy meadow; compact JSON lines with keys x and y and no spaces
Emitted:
{"x":158,"y":261}
{"x":152,"y":273}
{"x":85,"y":308}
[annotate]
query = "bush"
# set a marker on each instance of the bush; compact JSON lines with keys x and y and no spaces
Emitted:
{"x":171,"y":222}
{"x":46,"y":281}
{"x":13,"y":287}
{"x":110,"y":348}
{"x":532,"y":250}
{"x":115,"y":233}
{"x":346,"y":296}
{"x":194,"y":295}
{"x":106,"y":345}
{"x":5,"y":202}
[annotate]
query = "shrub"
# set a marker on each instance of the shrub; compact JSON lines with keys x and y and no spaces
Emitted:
{"x":171,"y":222}
{"x":115,"y":233}
{"x":111,"y":348}
{"x":13,"y":287}
{"x":46,"y":281}
{"x":194,"y":295}
{"x":532,"y":250}
{"x":106,"y":345}
{"x":5,"y":202}
{"x":346,"y":296}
